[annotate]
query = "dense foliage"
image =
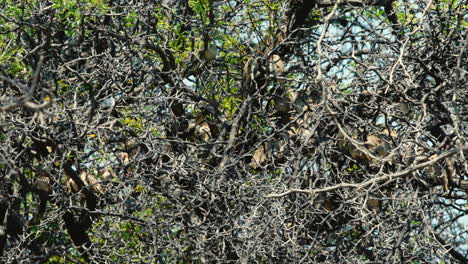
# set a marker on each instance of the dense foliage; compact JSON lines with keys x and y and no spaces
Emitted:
{"x":202,"y":131}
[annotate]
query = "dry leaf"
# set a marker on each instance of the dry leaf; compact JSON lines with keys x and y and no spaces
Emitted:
{"x":247,"y":71}
{"x":392,"y":133}
{"x":293,"y":131}
{"x":377,"y":145}
{"x":91,"y":181}
{"x":108,"y":173}
{"x":124,"y":158}
{"x":373,"y":141}
{"x":258,"y":158}
{"x":88,"y":180}
{"x":448,"y":173}
{"x":71,"y":186}
{"x":292,"y":96}
{"x":306,"y":134}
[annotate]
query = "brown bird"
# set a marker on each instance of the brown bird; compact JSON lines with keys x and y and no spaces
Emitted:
{"x":14,"y":224}
{"x":374,"y":204}
{"x":42,"y":188}
{"x":203,"y":132}
{"x":77,"y":233}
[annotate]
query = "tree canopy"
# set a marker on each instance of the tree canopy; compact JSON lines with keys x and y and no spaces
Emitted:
{"x":203,"y":131}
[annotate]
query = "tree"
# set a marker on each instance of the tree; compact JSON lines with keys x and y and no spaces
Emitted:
{"x":233,"y":131}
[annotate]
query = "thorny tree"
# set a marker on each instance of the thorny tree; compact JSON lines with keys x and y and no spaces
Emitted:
{"x":233,"y":131}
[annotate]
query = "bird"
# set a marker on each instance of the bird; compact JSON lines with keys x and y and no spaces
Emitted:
{"x":77,"y":233}
{"x":203,"y":131}
{"x":42,"y":188}
{"x":210,"y":53}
